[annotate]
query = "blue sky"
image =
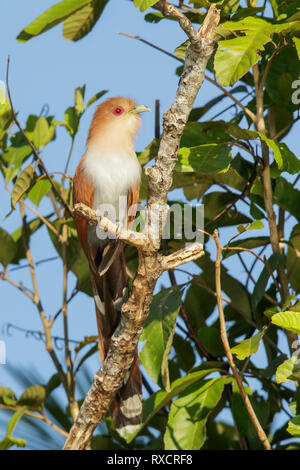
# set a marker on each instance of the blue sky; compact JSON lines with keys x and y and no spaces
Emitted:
{"x":46,"y":70}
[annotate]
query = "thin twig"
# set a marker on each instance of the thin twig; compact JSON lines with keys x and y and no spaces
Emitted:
{"x":37,"y":301}
{"x":260,"y":432}
{"x":41,"y":417}
{"x":21,"y":288}
{"x":266,"y":296}
{"x":209,"y":79}
{"x":109,"y":379}
{"x":34,"y":151}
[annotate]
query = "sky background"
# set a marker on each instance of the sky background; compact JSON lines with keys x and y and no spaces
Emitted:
{"x":46,"y":71}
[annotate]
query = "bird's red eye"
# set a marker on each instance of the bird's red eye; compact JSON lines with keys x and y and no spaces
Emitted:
{"x":118,"y":110}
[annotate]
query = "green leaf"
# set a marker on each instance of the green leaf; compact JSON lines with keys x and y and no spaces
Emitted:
{"x":100,"y":442}
{"x":235,"y":57}
{"x":289,"y":370}
{"x":9,"y":401}
{"x":294,"y":426}
{"x":197,"y":113}
{"x":149,"y":152}
{"x":292,"y":259}
{"x":288,"y":320}
{"x":209,"y":337}
{"x":201,"y":3}
{"x":270,"y":311}
{"x":53,"y":383}
{"x":186,"y":428}
{"x":39,"y":190}
{"x":249,"y":243}
{"x":22,"y":184}
{"x":41,"y":133}
{"x":8,"y":249}
{"x":181,"y":49}
{"x":288,"y":302}
{"x":88,"y":354}
{"x":255,"y":225}
{"x":72,"y":120}
{"x":161,"y":398}
{"x":284,"y":69}
{"x":33,"y":397}
{"x":80,"y":23}
{"x":196,"y":296}
{"x":51,"y":17}
{"x":15,"y":157}
{"x":96,"y":97}
{"x":241,"y":416}
{"x":144,"y":4}
{"x":184,"y":353}
{"x":294,"y":406}
{"x":31,"y":227}
{"x":241,"y":229}
{"x":287,"y":197}
{"x":285,"y":159}
{"x":297,"y":44}
{"x":275,"y":261}
{"x":210,"y":158}
{"x":215,"y":202}
{"x":76,"y":259}
{"x":158,"y":329}
{"x":79,"y":99}
{"x":14,"y":420}
{"x":6,"y":392}
{"x":9,"y":440}
{"x":249,"y":346}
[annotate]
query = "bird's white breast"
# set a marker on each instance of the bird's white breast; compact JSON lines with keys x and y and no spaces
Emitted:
{"x":113,"y":175}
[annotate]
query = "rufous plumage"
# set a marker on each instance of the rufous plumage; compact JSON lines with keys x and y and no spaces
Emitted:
{"x":107,"y":179}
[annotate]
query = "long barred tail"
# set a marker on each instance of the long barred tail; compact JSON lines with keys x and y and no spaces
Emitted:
{"x":127,"y":406}
{"x":110,"y":292}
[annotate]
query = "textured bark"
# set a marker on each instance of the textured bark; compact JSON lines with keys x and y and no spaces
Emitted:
{"x":109,"y":379}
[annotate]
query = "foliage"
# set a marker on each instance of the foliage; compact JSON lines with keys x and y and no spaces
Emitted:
{"x":247,"y":178}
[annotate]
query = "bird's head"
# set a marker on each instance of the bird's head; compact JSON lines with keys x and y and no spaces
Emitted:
{"x":117,"y":117}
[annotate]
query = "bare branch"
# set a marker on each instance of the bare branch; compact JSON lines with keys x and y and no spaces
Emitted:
{"x":185,"y":255}
{"x":136,"y":239}
{"x":213,"y":81}
{"x":109,"y":379}
{"x":34,"y":151}
{"x":40,"y":417}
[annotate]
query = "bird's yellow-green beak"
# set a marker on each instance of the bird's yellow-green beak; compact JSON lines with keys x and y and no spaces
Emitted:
{"x":139,"y":108}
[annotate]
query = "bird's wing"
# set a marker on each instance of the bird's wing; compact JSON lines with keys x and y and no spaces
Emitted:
{"x":132,"y":201}
{"x":109,"y":283}
{"x":83,"y":191}
{"x":111,"y":250}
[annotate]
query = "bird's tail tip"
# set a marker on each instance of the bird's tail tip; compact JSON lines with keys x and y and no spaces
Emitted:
{"x":128,"y":406}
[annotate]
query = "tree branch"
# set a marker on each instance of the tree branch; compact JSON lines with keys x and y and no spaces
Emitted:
{"x":109,"y":379}
{"x":209,"y":79}
{"x":41,"y":417}
{"x":34,"y":151}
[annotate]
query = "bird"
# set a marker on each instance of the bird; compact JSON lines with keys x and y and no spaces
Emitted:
{"x":107,"y":179}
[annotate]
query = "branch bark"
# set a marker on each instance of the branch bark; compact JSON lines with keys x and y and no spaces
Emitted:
{"x":109,"y":379}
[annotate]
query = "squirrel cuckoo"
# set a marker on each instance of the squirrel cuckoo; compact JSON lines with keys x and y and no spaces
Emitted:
{"x":108,"y":172}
